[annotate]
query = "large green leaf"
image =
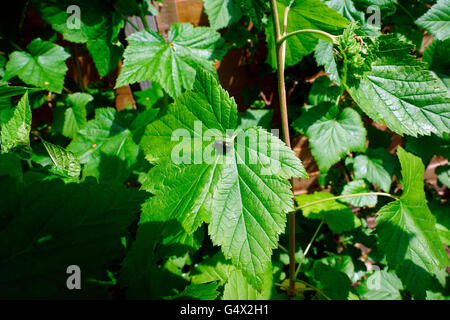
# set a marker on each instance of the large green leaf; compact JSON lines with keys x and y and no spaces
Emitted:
{"x":172,"y":64}
{"x":42,"y":66}
{"x":437,"y":20}
{"x":331,"y":134}
{"x":407,"y":232}
{"x":222,"y":13}
{"x":399,"y":92}
{"x":242,"y":193}
{"x":55,"y":225}
{"x":376,"y":166}
{"x":15,"y":132}
{"x":338,"y":216}
{"x":303,"y":14}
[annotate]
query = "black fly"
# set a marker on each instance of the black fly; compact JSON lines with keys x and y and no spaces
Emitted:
{"x":223,"y":146}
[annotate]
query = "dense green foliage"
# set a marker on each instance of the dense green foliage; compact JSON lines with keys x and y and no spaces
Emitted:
{"x":185,"y":197}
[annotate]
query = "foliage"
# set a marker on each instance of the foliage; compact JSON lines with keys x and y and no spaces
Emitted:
{"x":185,"y":192}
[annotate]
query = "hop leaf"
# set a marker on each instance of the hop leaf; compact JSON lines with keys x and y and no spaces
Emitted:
{"x":242,"y":193}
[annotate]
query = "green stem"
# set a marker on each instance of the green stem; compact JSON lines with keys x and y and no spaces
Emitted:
{"x":314,"y":288}
{"x":309,"y":246}
{"x":135,"y":27}
{"x":347,"y":196}
{"x":281,"y":53}
{"x":290,"y":34}
{"x":144,"y":21}
{"x":283,"y":248}
{"x":15,"y":45}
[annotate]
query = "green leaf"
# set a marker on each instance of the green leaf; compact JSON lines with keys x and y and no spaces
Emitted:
{"x":71,"y":117}
{"x":331,"y":135}
{"x":338,"y":216}
{"x":156,"y":239}
{"x":407,"y":232}
{"x":16,"y":131}
{"x":195,"y":291}
{"x":254,"y":9}
{"x":42,"y":66}
{"x":149,"y":97}
{"x":324,"y":56}
{"x":304,"y":14}
{"x":322,"y":90}
{"x":64,"y":161}
{"x":428,"y":146}
{"x":440,"y":212}
{"x":255,"y":118}
{"x":215,"y":268}
{"x":106,"y":146}
{"x":347,"y":9}
{"x":388,"y":5}
{"x":376,"y":166}
{"x":243,"y":193}
{"x":358,"y":186}
{"x":106,"y":55}
{"x":238,"y":287}
{"x":443,"y":174}
{"x":381,"y":285}
{"x":335,"y":284}
{"x":172,"y":64}
{"x":435,"y":56}
{"x":437,"y":20}
{"x":222,"y":13}
{"x":341,"y":263}
{"x":10,"y":166}
{"x":99,"y":28}
{"x":399,"y":92}
{"x":55,"y":225}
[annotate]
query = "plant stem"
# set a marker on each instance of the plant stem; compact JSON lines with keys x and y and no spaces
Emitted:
{"x":290,"y":34}
{"x":314,"y":288}
{"x":283,"y":248}
{"x":347,"y":196}
{"x":281,"y":50}
{"x":144,"y":21}
{"x":135,"y":27}
{"x":309,"y":246}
